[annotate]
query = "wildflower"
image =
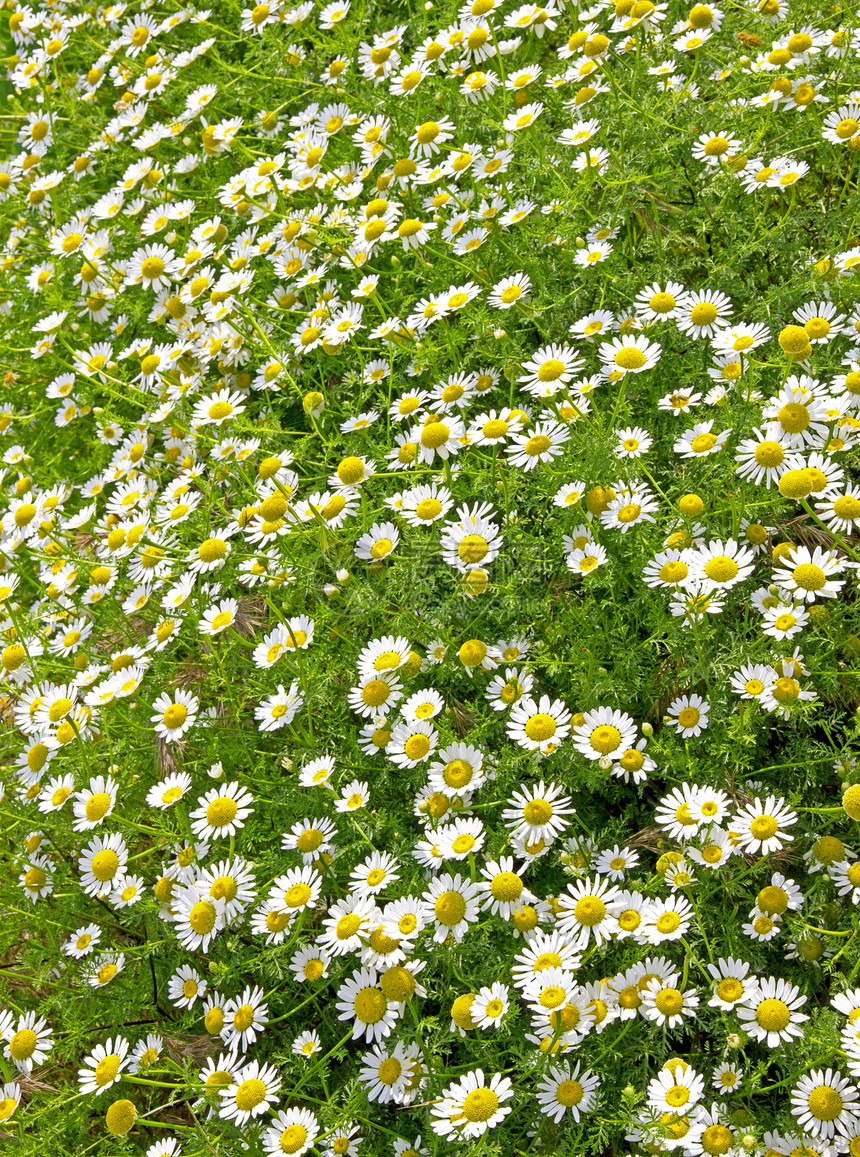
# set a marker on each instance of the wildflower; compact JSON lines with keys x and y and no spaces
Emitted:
{"x":539,"y":726}
{"x":361,"y":1000}
{"x":251,"y":1093}
{"x":221,"y":811}
{"x":604,"y":731}
{"x":689,"y":714}
{"x":174,"y":714}
{"x":452,"y":903}
{"x":772,"y":1015}
{"x":808,"y":575}
{"x":472,"y":1105}
{"x":588,"y":908}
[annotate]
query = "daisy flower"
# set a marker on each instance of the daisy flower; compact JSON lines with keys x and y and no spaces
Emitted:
{"x":254,"y":1088}
{"x":539,"y":725}
{"x":542,"y":445}
{"x":217,"y":408}
{"x":702,"y":314}
{"x":103,"y":1067}
{"x":628,"y":355}
{"x":29,"y":1043}
{"x":353,"y":796}
{"x":808,"y":574}
{"x":82,"y":941}
{"x":632,"y":442}
{"x":245,"y":1018}
{"x":174,"y":714}
{"x":657,"y":302}
{"x":221,"y":811}
{"x":452,"y":903}
{"x":762,"y":457}
{"x":665,"y":1005}
{"x":784,"y":622}
{"x":490,"y":1005}
{"x":760,"y":825}
{"x":471,"y":542}
{"x":825,"y":1104}
{"x":185,"y":986}
{"x":567,"y":1090}
{"x":604,"y":732}
{"x":675,"y":1089}
{"x":506,"y":293}
{"x":311,"y":838}
{"x":280,"y":709}
{"x":378,"y":542}
{"x":362,"y":1001}
{"x":502,"y":887}
{"x":385,"y":1073}
{"x":550,"y":368}
{"x":689,"y":714}
{"x":471,"y":1106}
{"x":666,"y":920}
{"x":752,"y":680}
{"x":772,"y":1014}
{"x":538,"y":813}
{"x":629,"y":509}
{"x":102,"y":862}
{"x":700,"y":442}
{"x":733,"y":983}
{"x":633,"y":764}
{"x":439,"y":438}
{"x":842,"y":512}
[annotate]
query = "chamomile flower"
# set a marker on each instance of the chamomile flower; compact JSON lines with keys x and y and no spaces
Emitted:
{"x":773,"y":1015}
{"x":169,"y":790}
{"x":675,"y":1089}
{"x":503,"y":888}
{"x":174,"y":714}
{"x":809,"y":574}
{"x":588,"y":908}
{"x":567,"y":1090}
{"x":186,"y":986}
{"x":490,"y":1005}
{"x":452,"y":903}
{"x":604,"y":732}
{"x":628,"y":355}
{"x":689,"y":714}
{"x":222,"y":811}
{"x":254,"y":1089}
{"x":362,"y":1001}
{"x":103,"y":1067}
{"x":472,"y":1105}
{"x":539,"y":725}
{"x":28,"y":1042}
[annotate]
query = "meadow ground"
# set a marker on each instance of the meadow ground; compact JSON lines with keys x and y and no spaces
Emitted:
{"x":430,"y":647}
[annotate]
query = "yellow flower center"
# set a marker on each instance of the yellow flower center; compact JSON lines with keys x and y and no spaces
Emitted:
{"x":105,"y":865}
{"x":605,"y":739}
{"x":537,"y":812}
{"x":589,"y":911}
{"x":705,"y":313}
{"x":98,"y":805}
{"x":540,"y":727}
{"x":370,"y":1005}
{"x":773,"y":1015}
{"x":450,"y":908}
{"x":809,"y":577}
{"x":480,"y":1105}
{"x":249,"y":1094}
{"x":107,"y":1069}
{"x":175,"y":716}
{"x":202,"y":917}
{"x":221,"y":811}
